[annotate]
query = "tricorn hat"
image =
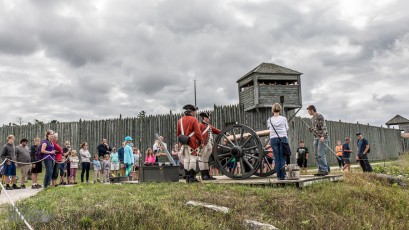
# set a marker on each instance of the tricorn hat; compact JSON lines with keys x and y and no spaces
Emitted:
{"x":190,"y":107}
{"x":205,"y":114}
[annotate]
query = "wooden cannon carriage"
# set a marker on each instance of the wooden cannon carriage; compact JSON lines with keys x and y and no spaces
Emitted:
{"x":239,"y":153}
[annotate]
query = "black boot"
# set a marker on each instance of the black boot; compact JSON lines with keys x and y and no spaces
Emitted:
{"x":186,"y":174}
{"x":211,"y":178}
{"x":205,"y":175}
{"x":15,"y":186}
{"x":192,"y":176}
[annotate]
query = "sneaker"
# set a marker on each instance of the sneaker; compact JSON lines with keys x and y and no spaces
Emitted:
{"x":23,"y":186}
{"x":320,"y":173}
{"x":16,"y":187}
{"x":8,"y":187}
{"x":37,"y":186}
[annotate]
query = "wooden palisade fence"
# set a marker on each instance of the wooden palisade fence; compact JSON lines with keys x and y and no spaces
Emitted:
{"x":385,"y":143}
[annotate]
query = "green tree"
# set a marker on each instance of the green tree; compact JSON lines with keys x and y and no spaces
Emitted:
{"x":38,"y":122}
{"x":141,"y":114}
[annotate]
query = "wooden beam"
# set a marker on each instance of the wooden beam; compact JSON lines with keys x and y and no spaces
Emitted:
{"x":404,"y":135}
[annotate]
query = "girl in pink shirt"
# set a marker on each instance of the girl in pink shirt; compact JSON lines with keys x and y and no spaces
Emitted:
{"x":150,"y":157}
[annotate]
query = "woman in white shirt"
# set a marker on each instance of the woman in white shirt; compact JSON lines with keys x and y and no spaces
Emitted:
{"x":276,"y":136}
{"x":85,"y":161}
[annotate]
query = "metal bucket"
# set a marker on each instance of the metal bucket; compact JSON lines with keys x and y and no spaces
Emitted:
{"x":292,"y":172}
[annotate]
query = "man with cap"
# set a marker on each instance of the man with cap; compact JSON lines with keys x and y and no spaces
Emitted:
{"x":188,"y":125}
{"x":207,"y":130}
{"x":362,"y":153}
{"x":128,"y":155}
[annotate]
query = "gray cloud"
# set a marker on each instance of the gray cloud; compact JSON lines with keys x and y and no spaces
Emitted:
{"x":95,"y":60}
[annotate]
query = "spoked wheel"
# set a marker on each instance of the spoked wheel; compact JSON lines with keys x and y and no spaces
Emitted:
{"x":238,"y":151}
{"x":266,"y":166}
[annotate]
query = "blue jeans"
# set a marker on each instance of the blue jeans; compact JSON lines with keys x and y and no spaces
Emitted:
{"x":279,"y":157}
{"x":49,"y":167}
{"x":321,"y":154}
{"x":62,"y":167}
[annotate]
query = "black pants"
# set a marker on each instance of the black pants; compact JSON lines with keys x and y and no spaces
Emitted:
{"x":340,"y":161}
{"x":364,"y":162}
{"x":55,"y":171}
{"x":68,"y":169}
{"x":85,"y":169}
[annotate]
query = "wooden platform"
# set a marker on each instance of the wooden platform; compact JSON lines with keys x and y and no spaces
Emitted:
{"x":304,"y":180}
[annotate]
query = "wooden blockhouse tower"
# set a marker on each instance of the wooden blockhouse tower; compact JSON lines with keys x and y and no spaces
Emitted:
{"x":267,"y":84}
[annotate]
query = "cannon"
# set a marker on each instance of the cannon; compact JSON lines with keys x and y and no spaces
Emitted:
{"x":239,"y":154}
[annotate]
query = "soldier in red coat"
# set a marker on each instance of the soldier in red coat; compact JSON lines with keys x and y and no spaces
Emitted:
{"x":188,"y":125}
{"x":207,"y":133}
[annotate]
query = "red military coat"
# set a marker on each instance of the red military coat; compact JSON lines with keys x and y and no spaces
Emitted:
{"x":205,"y":135}
{"x":190,"y":124}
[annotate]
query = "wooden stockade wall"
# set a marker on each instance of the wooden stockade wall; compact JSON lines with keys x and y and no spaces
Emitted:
{"x":385,"y":143}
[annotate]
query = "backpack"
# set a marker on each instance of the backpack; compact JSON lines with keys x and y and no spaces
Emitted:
{"x":39,"y":154}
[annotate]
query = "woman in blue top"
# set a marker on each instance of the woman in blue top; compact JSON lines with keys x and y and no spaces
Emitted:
{"x":128,"y":155}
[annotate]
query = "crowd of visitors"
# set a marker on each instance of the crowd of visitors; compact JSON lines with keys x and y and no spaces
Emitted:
{"x":62,"y":163}
{"x":192,"y":156}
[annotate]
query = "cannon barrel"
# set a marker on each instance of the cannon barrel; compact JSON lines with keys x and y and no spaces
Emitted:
{"x":263,"y":133}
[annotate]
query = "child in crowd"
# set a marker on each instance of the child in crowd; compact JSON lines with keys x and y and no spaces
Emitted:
{"x":136,"y":154}
{"x":73,"y":166}
{"x":114,"y":161}
{"x":150,"y":158}
{"x":97,"y":169}
{"x":338,"y":150}
{"x":106,"y":165}
{"x":302,"y":156}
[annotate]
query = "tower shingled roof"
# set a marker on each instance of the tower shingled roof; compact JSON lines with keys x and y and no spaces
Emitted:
{"x":270,"y":68}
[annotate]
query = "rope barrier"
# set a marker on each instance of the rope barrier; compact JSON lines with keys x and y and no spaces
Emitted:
{"x":15,"y":208}
{"x":29,"y":163}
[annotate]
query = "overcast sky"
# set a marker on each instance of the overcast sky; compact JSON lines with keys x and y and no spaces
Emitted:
{"x":67,"y":60}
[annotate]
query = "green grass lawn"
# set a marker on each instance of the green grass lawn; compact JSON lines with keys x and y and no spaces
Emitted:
{"x":359,"y":202}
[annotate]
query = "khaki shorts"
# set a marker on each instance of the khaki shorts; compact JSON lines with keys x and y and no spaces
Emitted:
{"x":24,"y":170}
{"x":114,"y":166}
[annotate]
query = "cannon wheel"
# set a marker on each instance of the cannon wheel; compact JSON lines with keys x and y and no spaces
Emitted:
{"x":265,"y":169}
{"x":239,"y":157}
